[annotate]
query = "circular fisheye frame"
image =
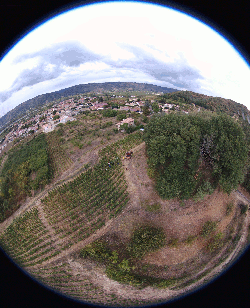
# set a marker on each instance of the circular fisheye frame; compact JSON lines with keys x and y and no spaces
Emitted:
{"x":124,"y":140}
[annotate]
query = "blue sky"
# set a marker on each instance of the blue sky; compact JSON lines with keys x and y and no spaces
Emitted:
{"x":122,"y":41}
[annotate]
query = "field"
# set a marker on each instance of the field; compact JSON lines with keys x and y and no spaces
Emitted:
{"x":73,"y":211}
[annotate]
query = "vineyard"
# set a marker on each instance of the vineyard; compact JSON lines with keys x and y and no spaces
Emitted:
{"x":27,"y":241}
{"x":59,"y":160}
{"x":74,"y":210}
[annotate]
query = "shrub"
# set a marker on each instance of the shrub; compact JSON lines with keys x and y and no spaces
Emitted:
{"x":146,"y":239}
{"x":97,"y":251}
{"x":121,"y":116}
{"x":190,"y":239}
{"x":153,"y":207}
{"x":204,"y":189}
{"x":208,"y":228}
{"x":243,"y":208}
{"x":215,"y":243}
{"x":173,"y":242}
{"x":229,"y":208}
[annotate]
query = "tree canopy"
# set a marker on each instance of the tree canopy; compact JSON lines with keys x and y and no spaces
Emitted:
{"x":187,"y":152}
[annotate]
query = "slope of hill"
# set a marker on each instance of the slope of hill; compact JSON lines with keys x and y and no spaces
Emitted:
{"x":217,"y":104}
{"x":41,"y":100}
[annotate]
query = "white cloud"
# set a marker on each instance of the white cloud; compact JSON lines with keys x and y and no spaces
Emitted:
{"x":123,"y":41}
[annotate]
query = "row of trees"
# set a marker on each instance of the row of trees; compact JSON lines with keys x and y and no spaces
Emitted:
{"x":185,"y":151}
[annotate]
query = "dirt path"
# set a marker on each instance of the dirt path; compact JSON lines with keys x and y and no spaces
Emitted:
{"x":79,"y":245}
{"x":51,"y":231}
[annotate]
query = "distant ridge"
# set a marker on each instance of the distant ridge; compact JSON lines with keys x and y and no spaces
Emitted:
{"x":42,"y":99}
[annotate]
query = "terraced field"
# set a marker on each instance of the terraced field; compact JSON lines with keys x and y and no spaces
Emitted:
{"x":73,"y":211}
{"x":58,"y":158}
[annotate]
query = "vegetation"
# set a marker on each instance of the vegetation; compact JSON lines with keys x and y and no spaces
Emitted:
{"x":27,"y":240}
{"x":27,"y":168}
{"x":193,"y":154}
{"x":208,"y":228}
{"x":59,"y":160}
{"x":146,"y":239}
{"x":229,"y":208}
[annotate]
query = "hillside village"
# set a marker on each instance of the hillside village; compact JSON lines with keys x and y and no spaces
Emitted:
{"x":67,"y":110}
{"x":134,"y":102}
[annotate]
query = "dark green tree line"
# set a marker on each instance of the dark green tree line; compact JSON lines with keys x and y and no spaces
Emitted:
{"x":181,"y":147}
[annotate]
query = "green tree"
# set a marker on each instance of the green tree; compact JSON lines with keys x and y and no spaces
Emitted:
{"x":177,"y":144}
{"x":155,"y":107}
{"x":145,"y":110}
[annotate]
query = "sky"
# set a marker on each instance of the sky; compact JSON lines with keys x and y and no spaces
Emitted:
{"x":122,"y":41}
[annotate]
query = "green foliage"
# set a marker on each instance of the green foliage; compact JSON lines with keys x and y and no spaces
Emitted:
{"x":190,"y":239}
{"x":173,"y":242}
{"x":243,"y":208}
{"x":176,"y":144}
{"x":229,"y":208}
{"x":121,"y":115}
{"x":97,"y":251}
{"x":105,"y":125}
{"x":26,"y":168}
{"x":208,"y":228}
{"x":56,"y":117}
{"x":215,"y":243}
{"x":153,"y":207}
{"x":155,"y":107}
{"x":145,"y":110}
{"x":108,"y":113}
{"x":204,"y":189}
{"x":146,"y":239}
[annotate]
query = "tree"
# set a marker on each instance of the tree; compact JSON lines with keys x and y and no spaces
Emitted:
{"x":155,"y":107}
{"x":178,"y":144}
{"x":145,"y":110}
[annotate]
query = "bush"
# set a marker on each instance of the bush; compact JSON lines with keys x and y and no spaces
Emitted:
{"x":97,"y":251}
{"x":208,"y":228}
{"x":229,"y":208}
{"x":173,"y":242}
{"x":190,"y":239}
{"x":243,"y":208}
{"x":121,"y":116}
{"x":146,"y":239}
{"x":108,"y":113}
{"x":215,"y":243}
{"x":204,"y":189}
{"x":56,"y":117}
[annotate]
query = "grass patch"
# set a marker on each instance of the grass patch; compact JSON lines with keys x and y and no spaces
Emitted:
{"x":215,"y":243}
{"x":229,"y":209}
{"x":208,"y":227}
{"x":153,"y":207}
{"x":190,"y":239}
{"x":173,"y":242}
{"x":146,"y":239}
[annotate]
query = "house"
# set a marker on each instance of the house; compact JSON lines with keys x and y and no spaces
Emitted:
{"x":136,"y":109}
{"x":65,"y":119}
{"x":48,"y":127}
{"x":98,"y":106}
{"x":125,"y":108}
{"x":129,"y":121}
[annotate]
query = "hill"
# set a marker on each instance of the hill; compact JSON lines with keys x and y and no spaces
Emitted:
{"x":41,"y":100}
